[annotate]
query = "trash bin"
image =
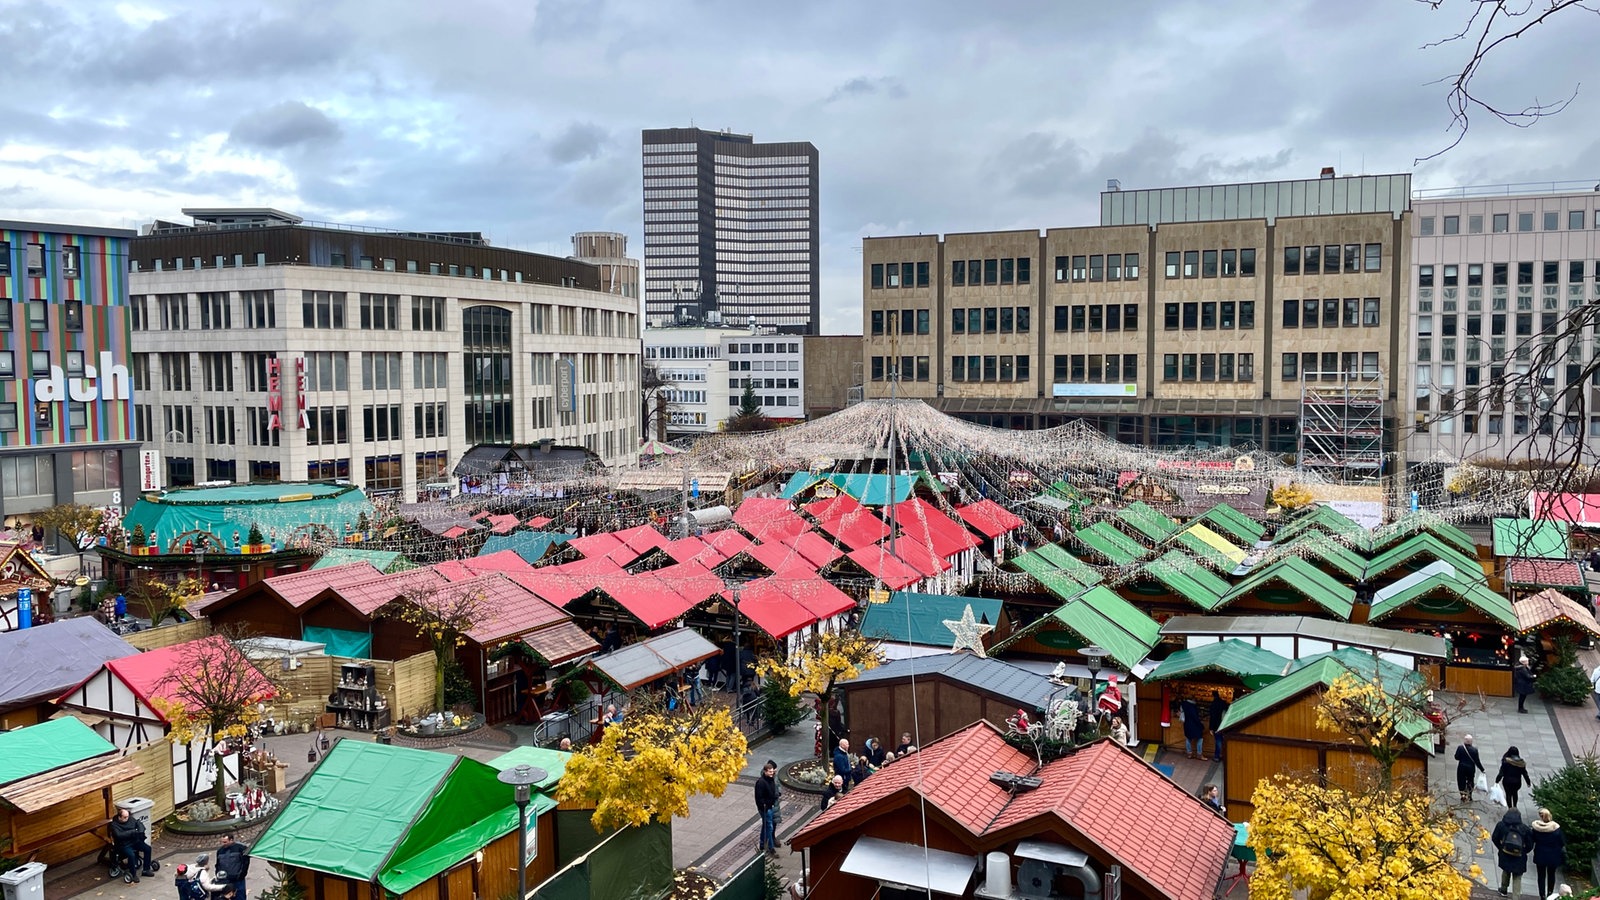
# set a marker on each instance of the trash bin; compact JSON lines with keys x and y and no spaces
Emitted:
{"x":25,"y":882}
{"x":139,"y":808}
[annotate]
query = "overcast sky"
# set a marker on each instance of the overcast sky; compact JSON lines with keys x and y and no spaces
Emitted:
{"x":521,"y":119}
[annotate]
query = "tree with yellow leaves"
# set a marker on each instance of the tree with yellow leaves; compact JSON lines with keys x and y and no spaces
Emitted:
{"x":1386,"y":719}
{"x":442,"y":618}
{"x":213,"y":692}
{"x":167,"y":599}
{"x":1362,"y":843}
{"x":1292,"y":496}
{"x":819,"y":664}
{"x":649,"y":765}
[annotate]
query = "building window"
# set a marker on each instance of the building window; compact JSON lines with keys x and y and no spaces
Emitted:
{"x":381,"y":423}
{"x":216,"y":371}
{"x":1501,"y":223}
{"x":5,"y":314}
{"x":380,"y":312}
{"x":1374,"y":254}
{"x":1291,"y":314}
{"x":1525,"y":221}
{"x":1130,"y":266}
{"x":1425,"y":226}
{"x":38,"y":315}
{"x":958,"y":273}
{"x":1173,"y":258}
{"x":259,"y":309}
{"x":1291,"y":260}
{"x":327,"y":425}
{"x":486,"y":340}
{"x":35,"y":261}
{"x":380,"y":371}
{"x":8,"y":364}
{"x":327,"y":371}
{"x":322,"y":309}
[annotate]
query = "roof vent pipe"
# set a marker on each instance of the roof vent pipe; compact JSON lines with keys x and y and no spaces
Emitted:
{"x":997,"y":875}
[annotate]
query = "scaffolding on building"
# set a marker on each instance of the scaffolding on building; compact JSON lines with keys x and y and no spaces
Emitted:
{"x":1341,"y":425}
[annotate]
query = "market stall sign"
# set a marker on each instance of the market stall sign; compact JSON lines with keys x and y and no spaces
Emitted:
{"x":1060,"y":640}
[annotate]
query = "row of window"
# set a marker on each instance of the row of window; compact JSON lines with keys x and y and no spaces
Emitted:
{"x":909,"y":321}
{"x":1097,"y":317}
{"x":1328,"y":366}
{"x":768,"y":347}
{"x":990,"y":368}
{"x":1102,"y":267}
{"x":326,"y":310}
{"x":44,"y":416}
{"x":339,"y":260}
{"x":1223,"y":315}
{"x":1096,"y":368}
{"x":768,"y":399}
{"x":1208,"y":367}
{"x":39,"y":315}
{"x":1224,"y":263}
{"x":895,"y":275}
{"x":35,"y":259}
{"x":1314,"y":259}
{"x":1006,"y":270}
{"x":1500,"y":273}
{"x":1351,"y":312}
{"x":35,"y":476}
{"x":1502,"y":222}
{"x":907,"y":368}
{"x":990,"y":320}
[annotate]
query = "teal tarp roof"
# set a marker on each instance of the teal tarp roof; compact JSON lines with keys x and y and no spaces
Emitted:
{"x":1529,"y":539}
{"x":927,"y":614}
{"x":530,"y":545}
{"x":386,"y":561}
{"x":398,"y":816}
{"x":41,"y":748}
{"x":871,"y":490}
{"x":1253,"y":665}
{"x":279,"y":509}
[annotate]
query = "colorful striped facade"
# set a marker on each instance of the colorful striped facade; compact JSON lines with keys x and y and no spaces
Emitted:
{"x":64,"y":349}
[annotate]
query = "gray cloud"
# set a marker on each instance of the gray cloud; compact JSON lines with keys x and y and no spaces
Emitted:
{"x":579,"y":141}
{"x":862,"y":86}
{"x":284,"y":125}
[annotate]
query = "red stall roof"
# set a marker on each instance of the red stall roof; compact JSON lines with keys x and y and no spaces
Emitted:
{"x":855,"y":530}
{"x":989,"y":518}
{"x":880,"y":564}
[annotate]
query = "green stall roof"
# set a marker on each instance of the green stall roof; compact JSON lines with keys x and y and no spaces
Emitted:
{"x":398,"y":816}
{"x":1113,"y":545}
{"x":1303,"y":578}
{"x":1424,"y":522}
{"x":386,"y":561}
{"x":1530,"y":539}
{"x":1423,"y":545}
{"x":1150,"y":522}
{"x":1103,"y":618}
{"x":912,"y":618}
{"x":1234,"y":523}
{"x":1070,"y":565}
{"x":553,"y":762}
{"x":1318,"y":674}
{"x":1188,"y":579}
{"x":36,"y":749}
{"x":1436,"y":578}
{"x":1211,"y":547}
{"x":1318,"y":546}
{"x":1255,"y":666}
{"x":1330,"y":520}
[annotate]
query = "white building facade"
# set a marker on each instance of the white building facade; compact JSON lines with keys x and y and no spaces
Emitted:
{"x":707,"y":368}
{"x":381,"y":369}
{"x":1496,"y":278}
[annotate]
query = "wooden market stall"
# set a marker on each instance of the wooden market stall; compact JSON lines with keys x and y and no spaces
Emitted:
{"x":378,"y":820}
{"x":952,"y":691}
{"x":1230,"y":669}
{"x":56,"y":780}
{"x":1290,"y":586}
{"x":1442,"y":600}
{"x":1550,"y":615}
{"x":1274,"y":730}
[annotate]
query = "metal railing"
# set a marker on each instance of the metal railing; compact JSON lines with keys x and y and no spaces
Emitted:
{"x":1506,"y":190}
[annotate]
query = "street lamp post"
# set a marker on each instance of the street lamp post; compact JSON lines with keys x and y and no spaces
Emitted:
{"x":1094,"y":658}
{"x":523,"y":778}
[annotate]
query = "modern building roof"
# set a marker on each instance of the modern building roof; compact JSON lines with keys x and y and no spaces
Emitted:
{"x":1253,"y":665}
{"x":44,"y":661}
{"x":1532,"y":538}
{"x":1108,"y":798}
{"x":908,"y":618}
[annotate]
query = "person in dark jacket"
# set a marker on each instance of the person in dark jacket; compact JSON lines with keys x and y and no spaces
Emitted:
{"x":842,"y":766}
{"x":1549,"y":851}
{"x":1215,"y":715}
{"x":233,"y":863}
{"x":1467,"y":760}
{"x":767,"y":806}
{"x":903,"y":746}
{"x":1522,"y":682}
{"x":834,"y":791}
{"x":1194,"y":730}
{"x":1512,"y":840}
{"x":874,"y":752}
{"x":127,"y":835}
{"x":1512,"y":776}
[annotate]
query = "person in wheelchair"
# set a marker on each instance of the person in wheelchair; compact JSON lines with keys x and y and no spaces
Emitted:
{"x":132,"y":845}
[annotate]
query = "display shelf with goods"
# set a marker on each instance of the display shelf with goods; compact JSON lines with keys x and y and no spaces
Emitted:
{"x":355,"y":702}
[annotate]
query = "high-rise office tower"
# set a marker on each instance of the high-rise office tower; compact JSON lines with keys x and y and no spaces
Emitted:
{"x":730,"y":230}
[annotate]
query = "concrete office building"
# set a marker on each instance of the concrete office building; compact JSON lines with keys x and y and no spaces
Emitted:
{"x":1496,"y":274}
{"x":267,"y":348}
{"x":66,"y":395}
{"x":731,"y":225}
{"x":1203,"y":316}
{"x":707,"y":367}
{"x":608,"y":252}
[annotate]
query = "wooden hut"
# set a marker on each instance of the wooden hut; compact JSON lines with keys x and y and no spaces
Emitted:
{"x":952,"y":691}
{"x":43,"y":661}
{"x":19,"y":571}
{"x":1441,"y":599}
{"x":1230,"y":669}
{"x":377,"y":820}
{"x":56,"y":780}
{"x":1275,"y":729}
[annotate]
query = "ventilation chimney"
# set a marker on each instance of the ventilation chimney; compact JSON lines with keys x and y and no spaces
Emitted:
{"x":1327,"y":172}
{"x":1113,"y":184}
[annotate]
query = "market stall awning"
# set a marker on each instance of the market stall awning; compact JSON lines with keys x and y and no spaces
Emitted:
{"x":1103,"y":539}
{"x":1545,"y":573}
{"x":1188,"y":578}
{"x":1419,"y":550}
{"x":1531,"y":538}
{"x":1551,"y":607}
{"x":1319,"y":673}
{"x":988,"y":518}
{"x":1235,"y":524}
{"x":765,"y":518}
{"x":1321,"y":547}
{"x":765,"y":603}
{"x":1329,"y":521}
{"x":1253,"y":665}
{"x":1424,"y":587}
{"x":920,"y":518}
{"x":1212,"y":547}
{"x":1423,"y":522}
{"x":561,"y":642}
{"x":814,"y":548}
{"x":1153,"y":524}
{"x":34,"y":758}
{"x":878,"y":562}
{"x":639,"y":664}
{"x":1582,"y":510}
{"x":1101,"y":617}
{"x":780,"y":558}
{"x":530,"y":545}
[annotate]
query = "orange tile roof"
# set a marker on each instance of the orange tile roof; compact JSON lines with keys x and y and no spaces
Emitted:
{"x":1550,"y":606}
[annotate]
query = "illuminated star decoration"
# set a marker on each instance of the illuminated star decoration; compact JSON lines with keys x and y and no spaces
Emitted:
{"x":969,"y":632}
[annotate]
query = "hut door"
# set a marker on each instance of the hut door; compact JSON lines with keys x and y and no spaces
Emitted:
{"x":460,"y":883}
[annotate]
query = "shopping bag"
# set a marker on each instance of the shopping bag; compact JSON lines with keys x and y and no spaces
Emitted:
{"x":1497,"y":795}
{"x":1483,"y":782}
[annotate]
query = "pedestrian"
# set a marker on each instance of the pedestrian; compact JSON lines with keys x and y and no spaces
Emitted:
{"x":905,"y":739}
{"x":1212,"y":797}
{"x":132,"y":845}
{"x":767,"y":806}
{"x":233,"y":864}
{"x":874,"y":752}
{"x":862,"y":768}
{"x":1522,"y":682}
{"x":1512,"y":776}
{"x":1467,"y":760}
{"x":1513,"y":840}
{"x":835,"y":788}
{"x":1218,"y":712}
{"x":565,"y":746}
{"x":1594,"y":683}
{"x":1549,"y":851}
{"x":1194,"y":730}
{"x":842,"y":766}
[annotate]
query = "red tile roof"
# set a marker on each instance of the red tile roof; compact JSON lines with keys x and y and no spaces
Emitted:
{"x":156,"y":674}
{"x":989,"y":518}
{"x":504,"y":608}
{"x":1119,"y":805}
{"x":894,"y":572}
{"x":861,"y":528}
{"x":367,"y":596}
{"x":299,"y":587}
{"x":1544,"y":573}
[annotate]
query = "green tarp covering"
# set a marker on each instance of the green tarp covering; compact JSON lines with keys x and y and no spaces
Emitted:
{"x":553,"y":762}
{"x":1233,"y":523}
{"x":279,"y":509}
{"x":398,"y":816}
{"x":1151,"y":523}
{"x":629,"y":864}
{"x":386,"y":561}
{"x":1187,"y":578}
{"x":355,"y":644}
{"x":1529,"y":539}
{"x":1255,"y":666}
{"x":40,"y":748}
{"x":919,"y":618}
